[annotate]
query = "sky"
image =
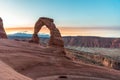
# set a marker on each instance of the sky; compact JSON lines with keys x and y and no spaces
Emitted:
{"x":66,"y":13}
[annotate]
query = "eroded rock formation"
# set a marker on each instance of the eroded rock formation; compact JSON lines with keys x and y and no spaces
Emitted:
{"x":92,"y":58}
{"x":2,"y":31}
{"x":55,"y":38}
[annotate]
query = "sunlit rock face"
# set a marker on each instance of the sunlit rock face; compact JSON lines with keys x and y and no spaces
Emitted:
{"x":2,"y":31}
{"x":55,"y":38}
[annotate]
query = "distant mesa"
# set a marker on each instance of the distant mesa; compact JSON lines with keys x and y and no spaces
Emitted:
{"x":2,"y":31}
{"x":91,"y":41}
{"x":55,"y":36}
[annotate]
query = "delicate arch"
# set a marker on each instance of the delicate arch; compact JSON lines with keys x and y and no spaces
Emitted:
{"x":55,"y":36}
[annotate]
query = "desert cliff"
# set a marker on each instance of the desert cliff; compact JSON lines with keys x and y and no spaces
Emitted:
{"x":89,"y":41}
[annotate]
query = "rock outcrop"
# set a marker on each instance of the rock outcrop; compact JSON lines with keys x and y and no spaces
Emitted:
{"x":55,"y":38}
{"x":2,"y":31}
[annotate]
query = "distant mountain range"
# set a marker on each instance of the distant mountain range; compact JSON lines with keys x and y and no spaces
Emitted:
{"x":25,"y":35}
{"x":76,"y":41}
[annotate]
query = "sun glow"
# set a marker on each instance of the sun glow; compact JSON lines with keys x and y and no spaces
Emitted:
{"x":68,"y":31}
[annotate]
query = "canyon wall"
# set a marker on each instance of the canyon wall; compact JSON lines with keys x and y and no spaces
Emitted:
{"x":89,"y":41}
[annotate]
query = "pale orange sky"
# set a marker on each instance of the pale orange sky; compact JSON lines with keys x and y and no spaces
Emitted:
{"x":71,"y":31}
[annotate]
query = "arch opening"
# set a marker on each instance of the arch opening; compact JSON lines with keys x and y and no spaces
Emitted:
{"x":44,"y":36}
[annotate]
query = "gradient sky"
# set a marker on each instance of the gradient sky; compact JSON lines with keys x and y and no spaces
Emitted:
{"x":72,"y":17}
{"x":67,"y":13}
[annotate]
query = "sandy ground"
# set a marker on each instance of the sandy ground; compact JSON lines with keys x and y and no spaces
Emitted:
{"x":47,"y":63}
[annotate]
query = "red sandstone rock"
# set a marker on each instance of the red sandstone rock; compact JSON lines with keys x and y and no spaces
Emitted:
{"x":55,"y":38}
{"x":35,"y":39}
{"x":2,"y":31}
{"x":8,"y":73}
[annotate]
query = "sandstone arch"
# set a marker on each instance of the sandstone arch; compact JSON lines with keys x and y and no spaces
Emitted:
{"x":55,"y":36}
{"x":2,"y":31}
